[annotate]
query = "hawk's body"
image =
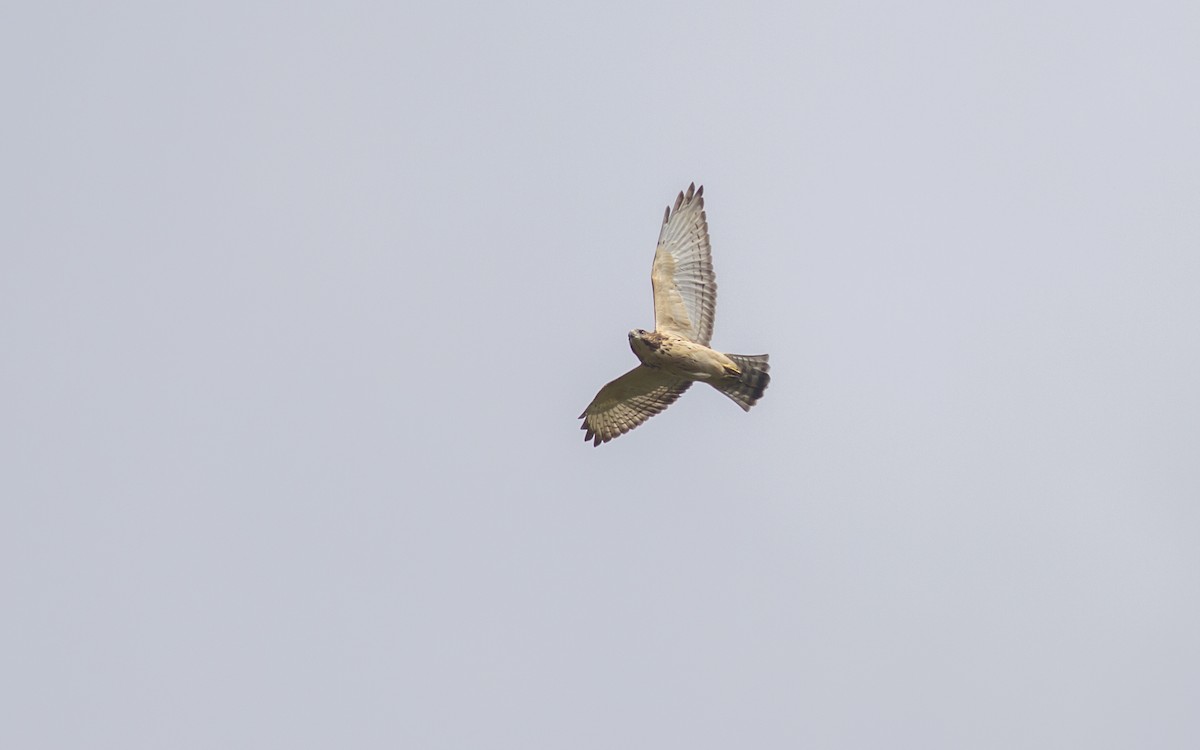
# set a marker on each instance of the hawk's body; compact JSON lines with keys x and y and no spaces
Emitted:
{"x":676,"y":354}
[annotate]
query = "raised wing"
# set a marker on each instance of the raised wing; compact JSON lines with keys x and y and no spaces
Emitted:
{"x":685,"y":287}
{"x":628,"y":401}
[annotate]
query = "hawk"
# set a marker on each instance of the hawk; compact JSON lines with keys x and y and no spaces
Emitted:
{"x":676,"y":354}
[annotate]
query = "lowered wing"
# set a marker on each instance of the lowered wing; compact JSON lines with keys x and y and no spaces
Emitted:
{"x":628,"y":401}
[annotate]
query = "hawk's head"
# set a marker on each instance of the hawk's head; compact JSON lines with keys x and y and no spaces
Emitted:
{"x":644,"y":342}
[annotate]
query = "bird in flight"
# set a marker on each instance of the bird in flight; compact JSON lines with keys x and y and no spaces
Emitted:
{"x":676,"y":354}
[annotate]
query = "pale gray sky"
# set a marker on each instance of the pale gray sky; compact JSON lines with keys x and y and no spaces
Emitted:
{"x":299,"y":303}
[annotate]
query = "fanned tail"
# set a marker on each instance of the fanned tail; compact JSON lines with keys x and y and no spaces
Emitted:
{"x":747,"y":387}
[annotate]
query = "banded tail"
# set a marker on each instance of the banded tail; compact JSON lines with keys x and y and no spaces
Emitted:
{"x":747,"y":387}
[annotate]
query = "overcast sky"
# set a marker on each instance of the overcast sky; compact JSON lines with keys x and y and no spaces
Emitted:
{"x":299,"y":304}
